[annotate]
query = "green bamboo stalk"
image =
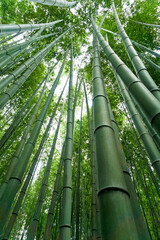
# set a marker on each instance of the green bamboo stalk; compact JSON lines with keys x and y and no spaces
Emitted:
{"x":154,"y":135}
{"x":155,"y":182}
{"x":19,"y":205}
{"x":18,"y":118}
{"x":149,"y":144}
{"x":147,"y":24}
{"x":4,"y":35}
{"x":3,"y":150}
{"x":78,"y":177}
{"x":15,"y":87}
{"x":94,"y":194}
{"x":98,"y":219}
{"x":14,"y":28}
{"x":7,"y":122}
{"x":49,"y":223}
{"x":75,"y":100}
{"x":9,"y":93}
{"x":93,"y":180}
{"x":37,"y":212}
{"x":12,"y":47}
{"x":152,"y":131}
{"x":9,"y":38}
{"x":142,"y":95}
{"x":16,"y":179}
{"x":101,"y":23}
{"x":14,"y":42}
{"x":30,"y":174}
{"x":11,"y":56}
{"x":12,"y":63}
{"x":144,"y":187}
{"x":16,"y":47}
{"x":77,"y":89}
{"x":138,"y":44}
{"x":146,"y":49}
{"x":16,"y":155}
{"x":58,"y":3}
{"x":138,"y":218}
{"x":65,"y":223}
{"x":135,"y":184}
{"x":138,"y":65}
{"x":112,"y":191}
{"x":84,"y":214}
{"x":22,"y":67}
{"x":116,"y":34}
{"x":156,"y":66}
{"x":97,"y":224}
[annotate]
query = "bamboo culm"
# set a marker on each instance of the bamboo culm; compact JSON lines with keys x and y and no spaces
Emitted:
{"x":142,"y":95}
{"x":16,"y":47}
{"x":156,"y":66}
{"x":113,"y":194}
{"x":18,"y":118}
{"x":15,"y":28}
{"x":75,"y":100}
{"x":149,"y":144}
{"x":29,"y":176}
{"x":49,"y":223}
{"x":16,"y":179}
{"x":9,"y":38}
{"x":138,"y":218}
{"x":147,"y":24}
{"x":14,"y":88}
{"x":156,"y":54}
{"x":9,"y":58}
{"x":9,"y":93}
{"x":25,"y":65}
{"x":3,"y":150}
{"x":93,"y":180}
{"x":155,"y":182}
{"x":24,"y":137}
{"x":11,"y":64}
{"x":138,"y":65}
{"x":154,"y":135}
{"x":78,"y":177}
{"x":37,"y":212}
{"x":65,"y":222}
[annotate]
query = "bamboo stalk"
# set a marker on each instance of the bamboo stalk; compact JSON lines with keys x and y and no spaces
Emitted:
{"x":112,"y":191}
{"x":18,"y":28}
{"x":35,"y":220}
{"x":30,"y":174}
{"x":18,"y":118}
{"x":49,"y":223}
{"x":142,"y":95}
{"x":138,"y":65}
{"x":65,"y":223}
{"x":16,"y":179}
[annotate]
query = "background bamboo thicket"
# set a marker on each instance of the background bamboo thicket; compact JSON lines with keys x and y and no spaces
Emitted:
{"x":79,"y":120}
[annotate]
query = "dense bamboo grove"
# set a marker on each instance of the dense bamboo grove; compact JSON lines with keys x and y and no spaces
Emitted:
{"x":79,"y":120}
